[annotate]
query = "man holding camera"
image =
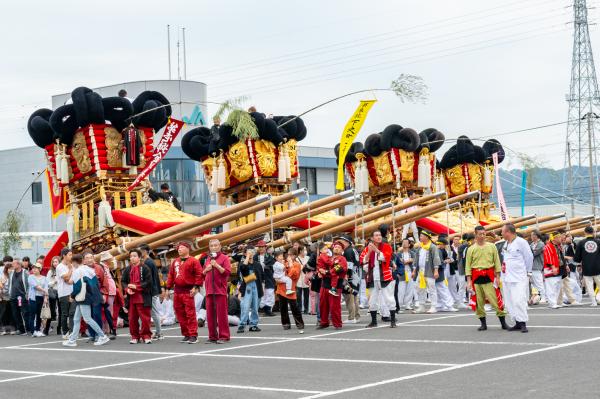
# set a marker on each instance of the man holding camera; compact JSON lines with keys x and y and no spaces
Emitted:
{"x":185,"y":277}
{"x":216,"y":270}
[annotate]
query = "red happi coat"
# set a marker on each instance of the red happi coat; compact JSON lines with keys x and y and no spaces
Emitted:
{"x":385,"y":270}
{"x":183,"y":276}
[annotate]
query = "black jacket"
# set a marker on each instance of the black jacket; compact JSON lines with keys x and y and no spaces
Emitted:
{"x":267,"y":269}
{"x":155,"y":287}
{"x":588,"y":254}
{"x":316,"y":281}
{"x":168,"y":196}
{"x":244,"y":270}
{"x":145,"y":282}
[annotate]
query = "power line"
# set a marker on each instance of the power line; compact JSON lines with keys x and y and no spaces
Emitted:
{"x":337,"y":75}
{"x":412,"y":44}
{"x":369,"y":39}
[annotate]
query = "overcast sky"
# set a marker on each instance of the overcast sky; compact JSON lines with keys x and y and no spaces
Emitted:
{"x":491,"y":66}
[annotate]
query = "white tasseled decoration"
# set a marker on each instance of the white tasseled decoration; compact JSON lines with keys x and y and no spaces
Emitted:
{"x":288,"y":164}
{"x":70,"y":228}
{"x":364,"y":184}
{"x":261,"y":215}
{"x":293,"y":205}
{"x":423,"y":171}
{"x":213,"y":177}
{"x":440,"y":183}
{"x":281,"y":166}
{"x":357,"y":177}
{"x":64,"y":168}
{"x":58,"y":161}
{"x":221,"y":181}
{"x":487,"y":176}
{"x":105,"y":218}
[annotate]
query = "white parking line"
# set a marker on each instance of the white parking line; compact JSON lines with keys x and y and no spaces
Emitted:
{"x":477,"y":325}
{"x":443,"y":370}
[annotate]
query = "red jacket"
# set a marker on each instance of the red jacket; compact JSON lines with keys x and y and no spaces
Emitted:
{"x":551,"y":261}
{"x":219,"y":287}
{"x":385,"y":271}
{"x":185,"y":275}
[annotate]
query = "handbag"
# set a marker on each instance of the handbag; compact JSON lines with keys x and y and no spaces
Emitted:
{"x":249,"y":278}
{"x":80,"y":297}
{"x":46,"y":314}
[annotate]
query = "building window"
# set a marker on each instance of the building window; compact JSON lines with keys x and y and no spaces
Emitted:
{"x":36,"y":192}
{"x":308,"y":179}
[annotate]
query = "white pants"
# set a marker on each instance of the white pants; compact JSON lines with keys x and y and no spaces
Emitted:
{"x":387,"y":297}
{"x":413,"y":228}
{"x":462,"y":287}
{"x":589,"y":286}
{"x":429,"y":290}
{"x":552,"y":285}
{"x":537,"y":281}
{"x":515,"y":299}
{"x":405,"y":292}
{"x":453,"y":288}
{"x":445,"y":301}
{"x":362,"y":292}
{"x":268,"y":298}
{"x":575,"y":287}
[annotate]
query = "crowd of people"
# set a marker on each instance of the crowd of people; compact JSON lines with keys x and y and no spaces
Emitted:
{"x":83,"y":296}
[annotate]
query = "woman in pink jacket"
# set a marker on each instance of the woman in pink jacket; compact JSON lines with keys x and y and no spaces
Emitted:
{"x":216,"y":270}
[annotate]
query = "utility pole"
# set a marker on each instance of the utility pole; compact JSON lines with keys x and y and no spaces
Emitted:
{"x":184,"y":57}
{"x":169,"y":48}
{"x":570,"y":192}
{"x":584,"y":106}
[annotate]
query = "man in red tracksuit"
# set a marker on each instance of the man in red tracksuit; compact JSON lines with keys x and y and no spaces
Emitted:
{"x":216,"y":272}
{"x":332,"y":270}
{"x":185,"y":276}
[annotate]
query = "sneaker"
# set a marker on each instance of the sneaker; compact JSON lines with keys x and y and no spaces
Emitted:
{"x":432,"y":310}
{"x":254,"y":329}
{"x":148,"y":341}
{"x":66,"y":336}
{"x":103,"y":340}
{"x":554,"y":307}
{"x":210,"y":341}
{"x":461,"y":306}
{"x":576,"y":303}
{"x":185,"y":340}
{"x":222,"y":341}
{"x":14,"y":333}
{"x":133,"y":341}
{"x":193,"y":340}
{"x":36,"y":334}
{"x":23,"y":334}
{"x":300,"y":331}
{"x":450,"y":309}
{"x":3,"y":333}
{"x":241,"y":330}
{"x":41,"y":334}
{"x":289,"y":292}
{"x":69,"y":343}
{"x":593,"y":304}
{"x":543,"y":302}
{"x":350,"y":321}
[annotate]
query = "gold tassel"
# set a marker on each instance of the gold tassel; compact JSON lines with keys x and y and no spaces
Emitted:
{"x":138,"y":198}
{"x":84,"y":216}
{"x":127,"y":199}
{"x":117,"y":200}
{"x":91,"y":214}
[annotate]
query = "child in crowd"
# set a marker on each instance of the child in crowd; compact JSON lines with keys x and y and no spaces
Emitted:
{"x":279,"y":273}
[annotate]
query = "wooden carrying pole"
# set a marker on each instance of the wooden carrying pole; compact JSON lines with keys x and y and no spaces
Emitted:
{"x":263,"y":226}
{"x":529,"y":222}
{"x":498,"y":225}
{"x":546,"y":227}
{"x":417,"y":214}
{"x":346,"y":223}
{"x":206,"y":222}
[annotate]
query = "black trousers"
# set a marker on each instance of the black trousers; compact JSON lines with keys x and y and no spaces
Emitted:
{"x":285,"y":317}
{"x":20,"y":313}
{"x":6,"y":317}
{"x":303,"y":295}
{"x":67,"y":312}
{"x":53,"y":302}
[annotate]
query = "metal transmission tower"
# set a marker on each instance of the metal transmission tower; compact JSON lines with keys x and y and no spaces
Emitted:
{"x":584,"y":109}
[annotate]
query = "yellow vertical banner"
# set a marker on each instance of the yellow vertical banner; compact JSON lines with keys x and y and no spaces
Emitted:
{"x":349,"y":134}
